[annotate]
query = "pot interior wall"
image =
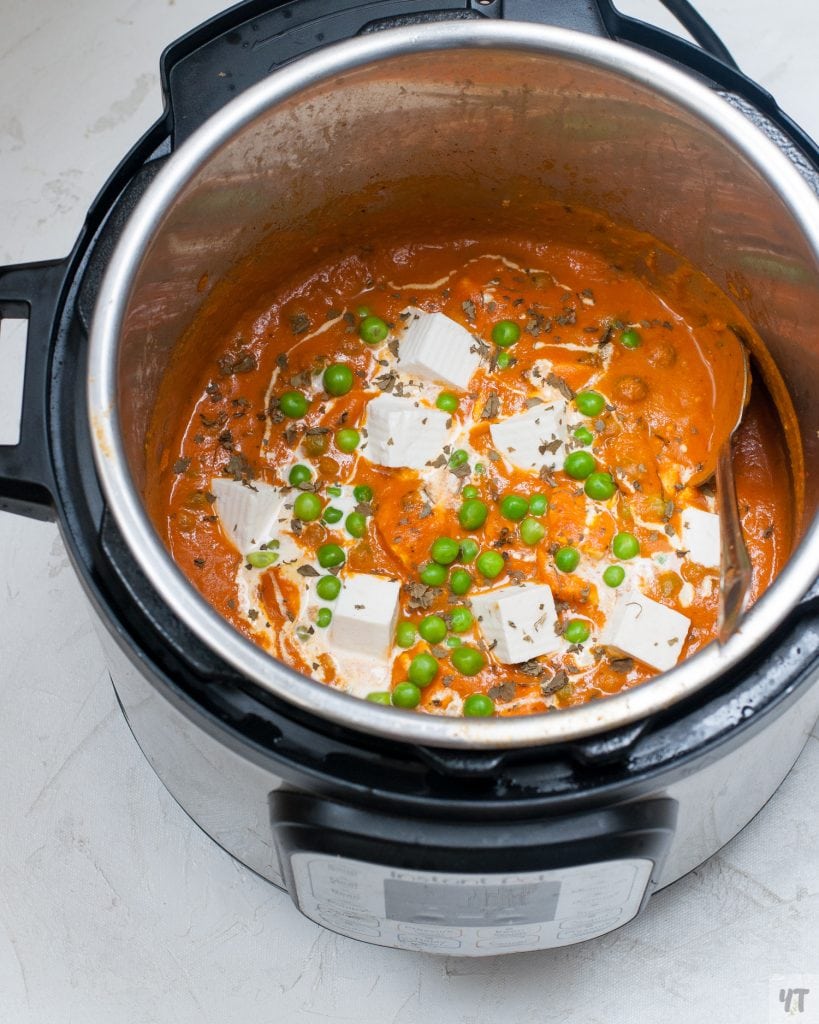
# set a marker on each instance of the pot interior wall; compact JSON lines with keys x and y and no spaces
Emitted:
{"x":471,"y":136}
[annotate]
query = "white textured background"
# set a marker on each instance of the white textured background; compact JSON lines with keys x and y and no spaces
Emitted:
{"x":114,"y":908}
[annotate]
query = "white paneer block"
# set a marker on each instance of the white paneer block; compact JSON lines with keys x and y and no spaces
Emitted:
{"x":400,"y":432}
{"x":438,"y":349}
{"x":646,"y":630}
{"x":250,"y":516}
{"x":519,"y":619}
{"x":535,"y":438}
{"x":364,"y":617}
{"x":700,"y":537}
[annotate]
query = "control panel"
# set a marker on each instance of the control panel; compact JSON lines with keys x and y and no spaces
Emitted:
{"x":468,"y":914}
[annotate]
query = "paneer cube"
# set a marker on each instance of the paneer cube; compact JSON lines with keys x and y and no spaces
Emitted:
{"x":700,"y":537}
{"x":365,"y":615}
{"x":535,"y":438}
{"x":249,"y":516}
{"x":437,"y":348}
{"x":519,"y":620}
{"x":646,"y":630}
{"x":400,"y":432}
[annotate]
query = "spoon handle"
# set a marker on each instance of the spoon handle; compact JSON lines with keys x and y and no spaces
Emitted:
{"x":735,"y":565}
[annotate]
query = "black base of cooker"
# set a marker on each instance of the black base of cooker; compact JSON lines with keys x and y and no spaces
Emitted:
{"x":244,"y":44}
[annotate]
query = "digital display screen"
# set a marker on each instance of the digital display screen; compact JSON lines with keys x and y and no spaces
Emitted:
{"x":470,"y":905}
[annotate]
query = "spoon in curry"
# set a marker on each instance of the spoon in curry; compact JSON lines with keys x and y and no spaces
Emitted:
{"x":735,"y":565}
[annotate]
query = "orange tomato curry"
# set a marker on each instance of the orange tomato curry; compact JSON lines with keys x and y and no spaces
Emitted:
{"x":661,"y":350}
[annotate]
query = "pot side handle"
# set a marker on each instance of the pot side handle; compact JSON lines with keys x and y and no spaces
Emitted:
{"x":684,"y":14}
{"x":31,"y":291}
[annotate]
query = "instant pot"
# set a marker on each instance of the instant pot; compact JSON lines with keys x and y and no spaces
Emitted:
{"x":287,"y":122}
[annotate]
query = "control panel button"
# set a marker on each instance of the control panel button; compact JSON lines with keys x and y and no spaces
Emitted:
{"x":429,"y":944}
{"x":446,"y":933}
{"x":508,"y":933}
{"x":350,"y":915}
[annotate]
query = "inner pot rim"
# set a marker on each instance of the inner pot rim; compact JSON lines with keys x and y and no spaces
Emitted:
{"x":215,"y":632}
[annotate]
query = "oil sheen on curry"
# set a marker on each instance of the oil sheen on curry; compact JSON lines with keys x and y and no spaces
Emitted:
{"x":454,"y":476}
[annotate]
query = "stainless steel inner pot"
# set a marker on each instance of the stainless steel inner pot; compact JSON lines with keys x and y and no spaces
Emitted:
{"x":491,"y":112}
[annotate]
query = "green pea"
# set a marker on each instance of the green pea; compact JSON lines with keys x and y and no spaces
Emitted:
{"x":577,"y":631}
{"x":423,"y":669}
{"x":330,"y":555}
{"x":405,"y":634}
{"x":600,"y":486}
{"x":362,"y":492}
{"x":299,"y":475}
{"x":459,"y":581}
{"x":328,"y":588}
{"x":567,"y":559}
{"x":614,"y":575}
{"x":362,"y":311}
{"x":453,"y":641}
{"x":531,"y":531}
{"x":490,"y":564}
{"x":348,"y":439}
{"x":262,"y":559}
{"x":478,"y":705}
{"x":514,"y":507}
{"x":444,"y":550}
{"x":625,"y":546}
{"x":469,"y":548}
{"x":505,"y":333}
{"x":432,"y":629}
{"x":447,"y":401}
{"x":467,"y":660}
{"x":334,"y":490}
{"x":538,"y":504}
{"x":584,"y":435}
{"x":472,"y":514}
{"x":337,"y":379}
{"x":406,"y":695}
{"x":480,"y":469}
{"x":470,"y":491}
{"x":307,"y":507}
{"x":293,"y":404}
{"x":460,"y":619}
{"x":379,"y":697}
{"x":333,"y":515}
{"x":631,"y":338}
{"x":578,"y":465}
{"x":324,"y":618}
{"x":458,"y":458}
{"x":503,"y":361}
{"x":433,"y":575}
{"x":356,"y":524}
{"x":373,"y":330}
{"x":590,"y":403}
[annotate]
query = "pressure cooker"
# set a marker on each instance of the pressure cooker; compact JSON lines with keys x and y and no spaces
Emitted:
{"x":464,"y":837}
